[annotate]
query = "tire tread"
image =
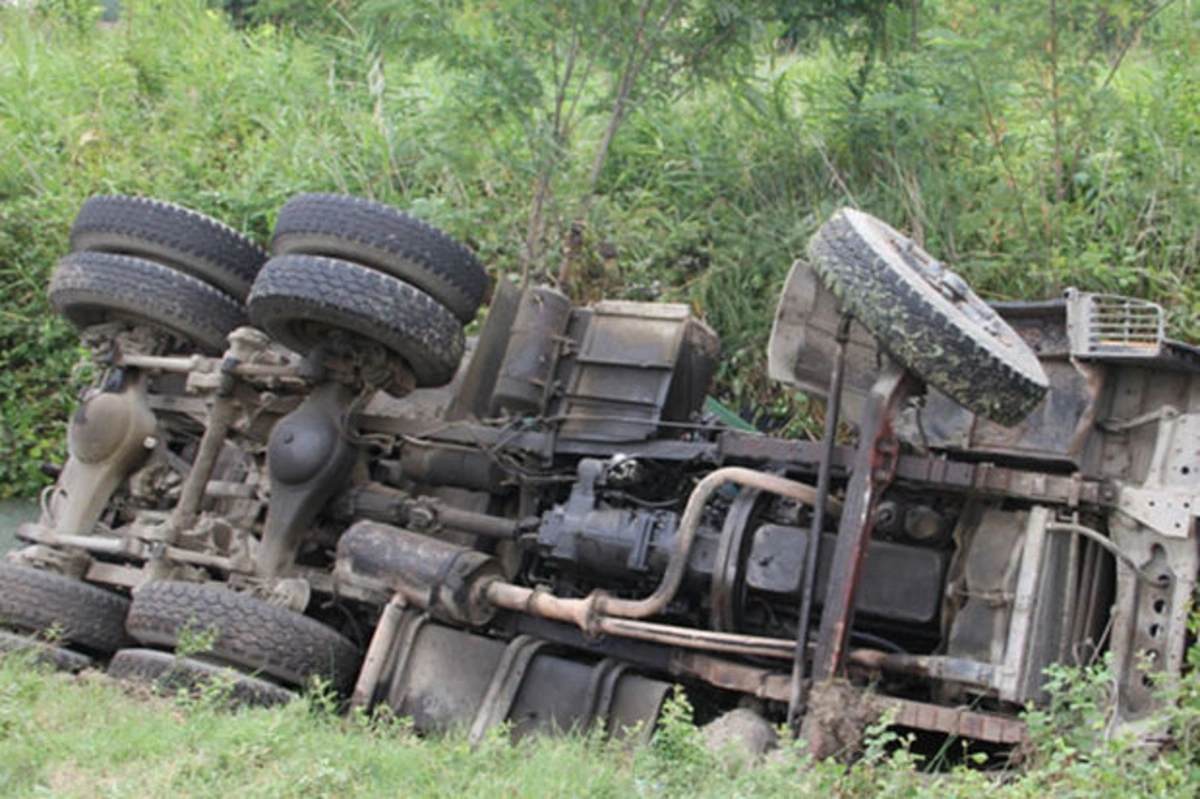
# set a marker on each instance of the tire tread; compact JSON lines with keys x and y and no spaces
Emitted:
{"x":172,"y":235}
{"x":84,"y":615}
{"x":382,"y":237}
{"x":303,"y":289}
{"x":251,"y":634}
{"x":89,"y":288}
{"x":942,"y":350}
{"x":168,"y":672}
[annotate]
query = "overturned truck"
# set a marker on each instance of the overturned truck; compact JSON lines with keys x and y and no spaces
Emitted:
{"x":286,"y":469}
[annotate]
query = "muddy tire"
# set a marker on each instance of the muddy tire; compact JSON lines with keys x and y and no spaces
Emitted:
{"x":301,"y":299}
{"x":70,"y":611}
{"x":247,"y":632}
{"x":169,"y":673}
{"x":43,"y":652}
{"x":171,"y":235}
{"x":944,"y":333}
{"x":91,"y":288}
{"x":383,"y":238}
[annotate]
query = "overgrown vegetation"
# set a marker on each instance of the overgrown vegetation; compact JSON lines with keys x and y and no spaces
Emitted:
{"x":654,"y":149}
{"x":82,"y":736}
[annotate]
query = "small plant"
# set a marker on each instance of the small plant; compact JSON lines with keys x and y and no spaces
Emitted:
{"x":195,"y":639}
{"x":678,"y":754}
{"x":323,"y":701}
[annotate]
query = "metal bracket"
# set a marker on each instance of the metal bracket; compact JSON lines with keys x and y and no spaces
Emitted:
{"x":1168,"y":500}
{"x":873,"y":467}
{"x":506,"y":683}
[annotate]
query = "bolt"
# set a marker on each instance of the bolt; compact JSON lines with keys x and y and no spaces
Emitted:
{"x":421,"y":518}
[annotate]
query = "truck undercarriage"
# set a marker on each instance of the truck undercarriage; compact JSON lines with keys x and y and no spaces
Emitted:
{"x":550,"y":531}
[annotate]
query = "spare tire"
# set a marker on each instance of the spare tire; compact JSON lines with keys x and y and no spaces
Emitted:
{"x":300,"y":299}
{"x":927,"y":317}
{"x":91,"y":288}
{"x":381,"y":237}
{"x":171,"y":235}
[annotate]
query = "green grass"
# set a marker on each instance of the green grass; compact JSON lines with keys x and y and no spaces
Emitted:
{"x":86,"y":736}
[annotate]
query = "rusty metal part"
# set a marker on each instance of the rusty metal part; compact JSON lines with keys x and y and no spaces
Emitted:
{"x":873,"y":468}
{"x":959,"y":670}
{"x":130,"y":547}
{"x":247,"y":358}
{"x":841,"y":713}
{"x":595,"y":609}
{"x":96,"y":544}
{"x":773,"y":685}
{"x":751,"y":680}
{"x":216,"y":429}
{"x":983,"y":479}
{"x":377,"y":653}
{"x":689,"y":523}
{"x":203,"y":364}
{"x":727,"y":565}
{"x":446,"y":579}
{"x":382,"y":503}
{"x":690,"y":638}
{"x":824,"y":474}
{"x":959,"y":722}
{"x":582,"y":613}
{"x":482,"y":524}
{"x":600,"y":613}
{"x":244,"y":344}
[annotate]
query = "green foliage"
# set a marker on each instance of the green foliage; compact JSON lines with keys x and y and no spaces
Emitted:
{"x":1076,"y":740}
{"x":678,"y":754}
{"x":551,"y":84}
{"x":1030,"y":150}
{"x":196,"y":639}
{"x":1038,"y":150}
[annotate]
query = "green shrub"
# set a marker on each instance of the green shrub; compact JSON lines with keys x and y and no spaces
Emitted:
{"x":945,"y":123}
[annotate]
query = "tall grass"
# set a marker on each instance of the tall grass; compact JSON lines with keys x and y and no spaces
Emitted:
{"x":706,"y":198}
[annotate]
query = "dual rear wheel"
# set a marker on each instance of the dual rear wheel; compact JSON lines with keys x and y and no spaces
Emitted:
{"x":345,"y":270}
{"x":356,"y":273}
{"x":153,"y":264}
